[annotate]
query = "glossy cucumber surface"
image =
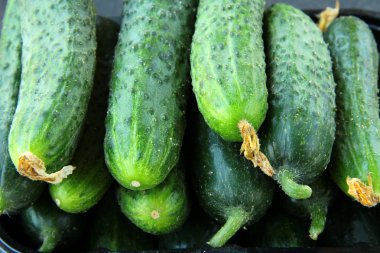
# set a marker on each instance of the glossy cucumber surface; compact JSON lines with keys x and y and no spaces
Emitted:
{"x":145,"y":121}
{"x":356,"y":154}
{"x":299,"y":131}
{"x":91,"y":179}
{"x":58,"y":60}
{"x":228,"y":65}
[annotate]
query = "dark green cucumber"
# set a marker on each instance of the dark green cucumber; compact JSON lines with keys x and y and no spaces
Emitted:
{"x":113,"y":232}
{"x":145,"y":122}
{"x":281,"y":230}
{"x":58,"y":56}
{"x":228,"y":188}
{"x":350,"y":224}
{"x":49,"y":226}
{"x":16,"y":192}
{"x":228,"y":65}
{"x":194,"y":234}
{"x":300,"y":127}
{"x":356,"y":149}
{"x":314,"y":208}
{"x":159,"y":210}
{"x":91,"y":179}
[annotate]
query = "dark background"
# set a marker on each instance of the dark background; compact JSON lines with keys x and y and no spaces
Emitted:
{"x":111,"y":8}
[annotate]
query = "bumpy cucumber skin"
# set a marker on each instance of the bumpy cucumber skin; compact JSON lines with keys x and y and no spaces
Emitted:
{"x":300,"y":127}
{"x":228,"y":65}
{"x":225,"y":181}
{"x":47,"y":224}
{"x":356,"y":61}
{"x":112,"y":231}
{"x":91,"y":179}
{"x":16,"y":192}
{"x":58,"y":59}
{"x":145,"y":122}
{"x":169,"y":200}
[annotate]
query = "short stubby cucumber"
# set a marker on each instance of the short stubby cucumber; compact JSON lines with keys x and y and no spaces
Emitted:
{"x":228,"y":189}
{"x":16,"y":192}
{"x":228,"y":65}
{"x":145,"y":122}
{"x":314,"y":208}
{"x":91,"y":179}
{"x":356,"y":158}
{"x":58,"y":59}
{"x":299,"y":131}
{"x":159,"y":210}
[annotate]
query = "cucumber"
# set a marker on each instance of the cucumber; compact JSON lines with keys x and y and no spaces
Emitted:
{"x":159,"y":210}
{"x":145,"y":121}
{"x":58,"y":56}
{"x":112,"y":231}
{"x":87,"y":185}
{"x":49,"y":226}
{"x":192,"y":235}
{"x":314,"y":208}
{"x":228,"y":189}
{"x":16,"y":192}
{"x":351,"y":225}
{"x":228,"y":65}
{"x":356,"y":163}
{"x":300,"y":128}
{"x":281,"y":230}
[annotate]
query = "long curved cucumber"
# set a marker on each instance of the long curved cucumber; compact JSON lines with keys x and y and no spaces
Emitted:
{"x":300,"y":127}
{"x":16,"y":192}
{"x":58,"y":59}
{"x":228,"y":65}
{"x":91,"y":179}
{"x":145,"y":121}
{"x":112,"y":231}
{"x":356,"y":158}
{"x":227,"y":187}
{"x":159,"y":210}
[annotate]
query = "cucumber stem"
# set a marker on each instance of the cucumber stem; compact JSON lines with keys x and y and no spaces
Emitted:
{"x":318,"y":221}
{"x":236,"y":220}
{"x":49,"y":243}
{"x":290,"y":187}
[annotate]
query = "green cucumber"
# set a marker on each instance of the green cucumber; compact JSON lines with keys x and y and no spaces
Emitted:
{"x":87,"y":185}
{"x":300,"y":127}
{"x":314,"y":208}
{"x":350,"y":225}
{"x":49,"y":226}
{"x":194,"y":234}
{"x":228,"y":65}
{"x":58,"y":56}
{"x":228,"y":188}
{"x":159,"y":210}
{"x":356,"y":159}
{"x":281,"y":230}
{"x":16,"y":192}
{"x":113,"y":232}
{"x":145,"y":121}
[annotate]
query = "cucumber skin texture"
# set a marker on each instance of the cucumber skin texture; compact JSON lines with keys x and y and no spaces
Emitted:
{"x":145,"y":122}
{"x":356,"y":61}
{"x":16,"y":192}
{"x":58,"y":59}
{"x":91,"y":179}
{"x":225,"y":181}
{"x":300,"y":126}
{"x":43,"y":221}
{"x":169,"y":198}
{"x":228,"y":65}
{"x":112,"y":231}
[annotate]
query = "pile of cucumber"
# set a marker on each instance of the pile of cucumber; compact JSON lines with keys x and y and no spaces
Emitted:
{"x":147,"y":135}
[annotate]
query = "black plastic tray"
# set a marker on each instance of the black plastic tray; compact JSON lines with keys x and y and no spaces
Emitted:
{"x":9,"y":244}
